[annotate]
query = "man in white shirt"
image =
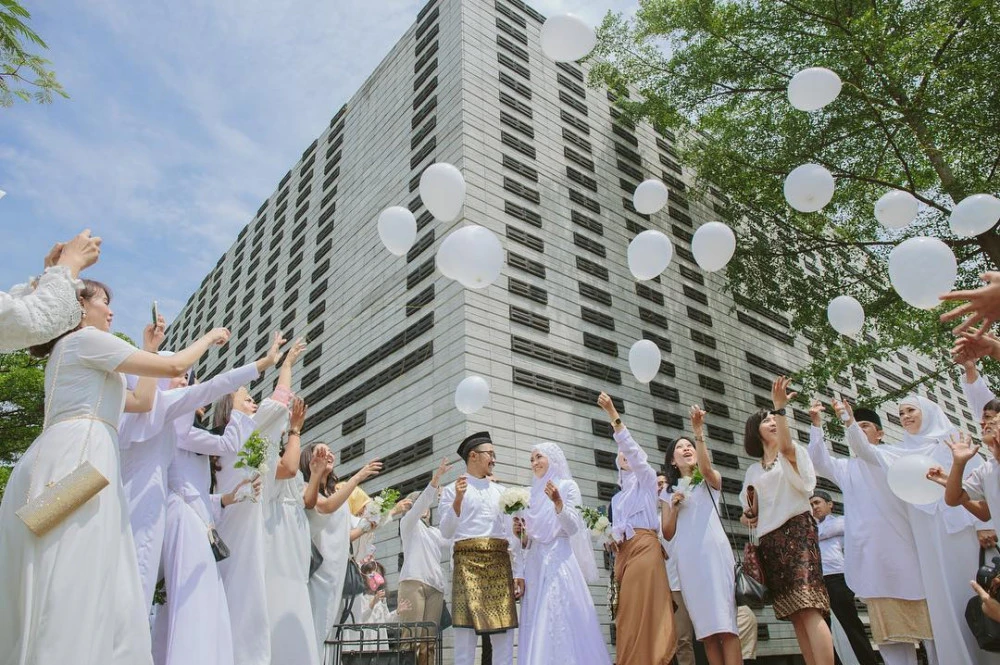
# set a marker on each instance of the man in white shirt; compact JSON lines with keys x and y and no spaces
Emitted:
{"x":485,"y":583}
{"x":831,"y":549}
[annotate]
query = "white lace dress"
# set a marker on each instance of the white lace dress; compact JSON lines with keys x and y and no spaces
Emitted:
{"x":31,"y":315}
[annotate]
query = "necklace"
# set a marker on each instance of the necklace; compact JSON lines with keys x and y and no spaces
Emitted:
{"x":768,"y":466}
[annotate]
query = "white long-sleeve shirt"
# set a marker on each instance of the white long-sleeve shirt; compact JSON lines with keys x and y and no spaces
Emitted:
{"x":31,"y":315}
{"x":831,"y":544}
{"x":635,"y":507}
{"x":880,"y":553}
{"x":481,"y":517}
{"x":423,"y":545}
{"x":977,"y":394}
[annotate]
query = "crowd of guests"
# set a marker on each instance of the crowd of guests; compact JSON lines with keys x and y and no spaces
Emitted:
{"x":263,"y":554}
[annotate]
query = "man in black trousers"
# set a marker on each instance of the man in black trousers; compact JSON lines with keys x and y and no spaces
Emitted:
{"x":831,"y":547}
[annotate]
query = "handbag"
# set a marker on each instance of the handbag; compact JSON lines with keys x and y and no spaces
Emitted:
{"x":984,"y":629}
{"x":354,"y":581}
{"x":445,"y":622}
{"x":747,"y":572}
{"x":219,"y":548}
{"x":61,"y":499}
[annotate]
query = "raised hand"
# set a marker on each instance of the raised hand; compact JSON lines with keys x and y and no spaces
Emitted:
{"x":604,"y":401}
{"x":53,"y":256}
{"x":218,"y":336}
{"x":816,"y":410}
{"x":298,"y":417}
{"x":969,"y":348}
{"x":294,"y":352}
{"x":697,"y":417}
{"x":461,"y":485}
{"x":153,"y":336}
{"x":962,"y":449}
{"x":318,"y":462}
{"x":273,"y":353}
{"x":983,"y":306}
{"x":937,"y":475}
{"x":442,"y":469}
{"x":80,"y":253}
{"x":328,"y":463}
{"x":780,"y":396}
{"x":369,"y":470}
{"x":844,"y":411}
{"x":402,"y":507}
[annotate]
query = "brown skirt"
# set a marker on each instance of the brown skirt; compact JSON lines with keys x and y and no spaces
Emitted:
{"x":482,"y":589}
{"x":644,"y":623}
{"x":793,"y":569}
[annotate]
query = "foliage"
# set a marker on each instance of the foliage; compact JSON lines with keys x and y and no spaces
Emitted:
{"x":254,"y":453}
{"x":4,"y":477}
{"x":919,"y":112}
{"x":23,"y":75}
{"x":22,"y":403}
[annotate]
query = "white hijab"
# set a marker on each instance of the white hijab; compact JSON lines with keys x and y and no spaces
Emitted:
{"x":542,"y":523}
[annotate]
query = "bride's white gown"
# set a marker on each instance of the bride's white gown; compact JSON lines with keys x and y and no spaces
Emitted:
{"x":73,"y":595}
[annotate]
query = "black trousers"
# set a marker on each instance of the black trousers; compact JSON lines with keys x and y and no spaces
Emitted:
{"x":842,"y":604}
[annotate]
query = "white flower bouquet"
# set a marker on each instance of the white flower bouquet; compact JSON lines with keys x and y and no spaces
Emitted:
{"x":515,"y":499}
{"x":597,"y":522}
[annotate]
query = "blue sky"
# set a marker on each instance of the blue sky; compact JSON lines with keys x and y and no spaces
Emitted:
{"x":182,"y":118}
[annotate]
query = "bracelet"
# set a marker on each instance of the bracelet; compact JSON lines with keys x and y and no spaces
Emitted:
{"x":294,"y":432}
{"x":777,"y":412}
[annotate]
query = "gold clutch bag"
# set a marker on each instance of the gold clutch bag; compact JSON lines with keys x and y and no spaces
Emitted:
{"x":58,"y":501}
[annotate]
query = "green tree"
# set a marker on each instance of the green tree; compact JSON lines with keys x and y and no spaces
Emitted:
{"x":919,"y":112}
{"x":23,"y":75}
{"x":22,"y":407}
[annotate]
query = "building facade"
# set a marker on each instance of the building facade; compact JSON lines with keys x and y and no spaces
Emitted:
{"x":550,"y":168}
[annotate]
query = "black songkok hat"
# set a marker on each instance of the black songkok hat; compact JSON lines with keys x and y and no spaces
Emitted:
{"x":471,"y":442}
{"x":867,"y":415}
{"x":823,"y":495}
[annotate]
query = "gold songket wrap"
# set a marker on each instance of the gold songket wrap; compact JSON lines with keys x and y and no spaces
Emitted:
{"x":483,"y":586}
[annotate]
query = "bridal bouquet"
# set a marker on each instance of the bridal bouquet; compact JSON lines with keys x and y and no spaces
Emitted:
{"x":686,"y":485}
{"x":253,"y":454}
{"x":383,"y":503}
{"x":515,"y":499}
{"x":597,"y":522}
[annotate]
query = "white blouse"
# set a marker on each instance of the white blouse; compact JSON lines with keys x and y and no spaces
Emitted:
{"x":635,"y":506}
{"x":782,"y":491}
{"x":34,"y":314}
{"x":422,"y":545}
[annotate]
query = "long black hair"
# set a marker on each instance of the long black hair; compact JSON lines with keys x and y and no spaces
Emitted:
{"x":753,"y":443}
{"x":672,"y":473}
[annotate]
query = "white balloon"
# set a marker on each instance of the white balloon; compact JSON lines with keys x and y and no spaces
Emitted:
{"x":907,"y":478}
{"x":442,"y":189}
{"x":896,"y":209}
{"x":649,"y":254}
{"x":650,"y":196}
{"x":975,"y":214}
{"x":921,"y":269}
{"x":566,"y":38}
{"x":447,"y":257}
{"x":813,"y":88}
{"x":480,"y":257}
{"x":397,"y":228}
{"x":644,"y":360}
{"x":2,"y":193}
{"x":846,"y":315}
{"x":713,"y":245}
{"x":472,"y":394}
{"x":809,"y":187}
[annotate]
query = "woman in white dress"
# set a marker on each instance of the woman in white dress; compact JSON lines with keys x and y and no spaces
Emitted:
{"x":288,"y":550}
{"x":194,"y":624}
{"x":242,"y":525}
{"x":332,"y":533}
{"x":73,"y":595}
{"x":703,"y":555}
{"x":558,"y":620}
{"x":43,"y":309}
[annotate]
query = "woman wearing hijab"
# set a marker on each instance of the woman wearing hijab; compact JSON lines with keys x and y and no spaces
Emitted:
{"x":558,"y":619}
{"x":775,"y":498}
{"x":946,"y":537}
{"x":644,"y":622}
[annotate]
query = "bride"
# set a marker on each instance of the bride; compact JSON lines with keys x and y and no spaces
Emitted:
{"x":558,"y":620}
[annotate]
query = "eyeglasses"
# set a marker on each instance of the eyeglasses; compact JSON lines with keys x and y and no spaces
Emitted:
{"x":491,"y":453}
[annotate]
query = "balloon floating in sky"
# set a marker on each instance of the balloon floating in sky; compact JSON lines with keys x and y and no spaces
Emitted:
{"x":809,"y":187}
{"x":397,"y":228}
{"x":975,"y":214}
{"x":650,"y":196}
{"x":922,"y":269}
{"x":896,"y":209}
{"x":472,"y":394}
{"x":567,"y":38}
{"x":813,"y":88}
{"x":442,"y":189}
{"x":471,"y":255}
{"x":846,"y":315}
{"x":649,"y":254}
{"x":644,"y":360}
{"x":713,"y":246}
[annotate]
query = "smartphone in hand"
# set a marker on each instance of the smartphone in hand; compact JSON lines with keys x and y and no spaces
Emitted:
{"x":156,"y":314}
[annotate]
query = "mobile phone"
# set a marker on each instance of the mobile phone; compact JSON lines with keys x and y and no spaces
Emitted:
{"x":156,"y":314}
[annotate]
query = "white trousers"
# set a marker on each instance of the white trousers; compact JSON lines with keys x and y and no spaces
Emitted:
{"x":465,"y":646}
{"x":898,"y":653}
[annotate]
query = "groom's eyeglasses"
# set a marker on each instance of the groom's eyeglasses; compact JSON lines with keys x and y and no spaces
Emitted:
{"x":491,"y":453}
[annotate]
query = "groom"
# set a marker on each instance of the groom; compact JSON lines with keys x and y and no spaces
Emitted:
{"x":484,"y":586}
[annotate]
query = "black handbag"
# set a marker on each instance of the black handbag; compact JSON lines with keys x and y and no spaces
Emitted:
{"x":445,"y":622}
{"x":354,"y":581}
{"x":749,"y":591}
{"x":984,"y":629}
{"x":219,"y":548}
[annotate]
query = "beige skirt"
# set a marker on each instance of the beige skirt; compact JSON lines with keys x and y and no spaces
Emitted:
{"x":895,"y":620}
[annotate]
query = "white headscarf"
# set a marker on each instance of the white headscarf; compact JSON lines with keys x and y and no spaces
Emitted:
{"x":542,"y":523}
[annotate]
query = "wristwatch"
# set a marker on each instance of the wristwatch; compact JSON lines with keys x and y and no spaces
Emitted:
{"x":777,"y":412}
{"x":617,"y":422}
{"x":294,"y":432}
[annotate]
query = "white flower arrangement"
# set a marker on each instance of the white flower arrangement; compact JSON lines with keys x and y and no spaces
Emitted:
{"x":597,"y":522}
{"x":515,"y":499}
